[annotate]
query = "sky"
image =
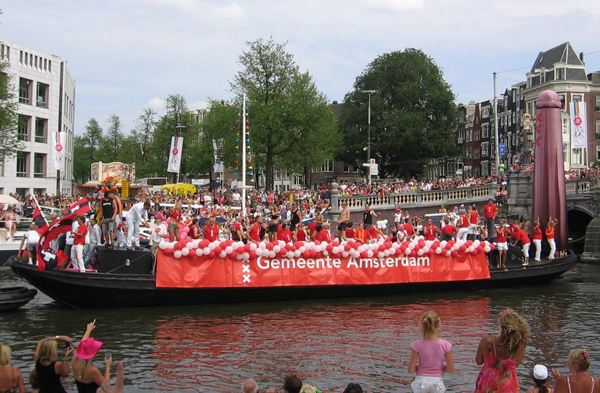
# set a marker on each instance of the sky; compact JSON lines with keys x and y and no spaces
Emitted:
{"x":127,"y":55}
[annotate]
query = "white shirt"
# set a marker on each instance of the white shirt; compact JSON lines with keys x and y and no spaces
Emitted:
{"x":96,"y":234}
{"x":33,"y":237}
{"x":138,"y":213}
{"x":159,"y":232}
{"x":70,"y":239}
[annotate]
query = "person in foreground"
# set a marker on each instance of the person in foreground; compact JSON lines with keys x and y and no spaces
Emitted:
{"x":430,"y":352}
{"x":11,"y":379}
{"x":501,"y":354}
{"x":580,"y":379}
{"x":49,"y":370}
{"x":106,"y":388}
{"x":540,"y":377}
{"x":87,"y":377}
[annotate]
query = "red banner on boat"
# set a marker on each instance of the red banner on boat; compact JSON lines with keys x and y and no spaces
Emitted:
{"x":194,"y":272}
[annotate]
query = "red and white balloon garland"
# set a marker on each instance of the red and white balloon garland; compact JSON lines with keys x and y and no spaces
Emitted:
{"x":280,"y":249}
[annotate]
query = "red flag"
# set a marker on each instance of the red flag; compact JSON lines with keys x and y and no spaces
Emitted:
{"x":47,"y":256}
{"x":39,"y":220}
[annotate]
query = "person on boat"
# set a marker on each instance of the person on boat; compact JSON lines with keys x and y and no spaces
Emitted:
{"x":448,"y":231}
{"x":174,"y":223}
{"x":300,"y":234}
{"x":540,"y":379}
{"x":500,"y":355}
{"x":463,"y":226}
{"x":350,"y":232}
{"x":95,"y":239}
{"x":430,"y":231}
{"x":159,"y":233}
{"x":502,"y":244}
{"x":473,"y":220}
{"x":120,"y":239}
{"x":49,"y":370}
{"x":550,"y":236}
{"x":521,"y":237}
{"x":579,"y":379}
{"x":30,"y":240}
{"x":430,"y":352}
{"x":368,"y":215}
{"x":342,"y":222}
{"x":490,"y":211}
{"x":254,"y":230}
{"x":211,"y":230}
{"x":11,"y":379}
{"x":87,"y":377}
{"x":537,"y":240}
{"x":195,"y":231}
{"x":109,"y":211}
{"x":296,"y":216}
{"x":286,"y":235}
{"x":137,"y":215}
{"x":323,"y":235}
{"x":78,"y":244}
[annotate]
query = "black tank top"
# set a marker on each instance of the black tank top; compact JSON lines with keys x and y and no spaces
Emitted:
{"x":48,"y":379}
{"x":295,"y":217}
{"x":86,"y":387}
{"x":107,"y":208}
{"x":367,"y":217}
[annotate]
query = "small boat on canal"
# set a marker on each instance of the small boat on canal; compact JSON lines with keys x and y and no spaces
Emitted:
{"x":11,"y":298}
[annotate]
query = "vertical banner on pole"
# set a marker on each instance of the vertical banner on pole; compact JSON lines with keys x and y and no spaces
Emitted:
{"x":219,"y":166}
{"x":57,"y":150}
{"x":175,"y":154}
{"x":578,"y":125}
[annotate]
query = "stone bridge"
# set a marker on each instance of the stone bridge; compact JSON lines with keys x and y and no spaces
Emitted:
{"x":579,"y":212}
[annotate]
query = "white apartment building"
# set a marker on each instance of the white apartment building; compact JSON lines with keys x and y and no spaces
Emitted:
{"x":45,"y":92}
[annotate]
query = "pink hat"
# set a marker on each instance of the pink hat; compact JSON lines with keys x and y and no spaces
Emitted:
{"x":88,"y":348}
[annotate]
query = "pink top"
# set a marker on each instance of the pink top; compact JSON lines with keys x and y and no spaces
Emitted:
{"x":431,"y":356}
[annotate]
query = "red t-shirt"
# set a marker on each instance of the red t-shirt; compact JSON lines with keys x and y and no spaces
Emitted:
{"x":211,"y":233}
{"x":429,"y":231}
{"x":301,"y":235}
{"x":490,"y":211}
{"x":322,"y":236}
{"x":550,"y":232}
{"x":350,"y":233}
{"x":464,"y":221}
{"x":410,"y":230}
{"x":449,"y":229}
{"x":501,"y":235}
{"x":537,"y":233}
{"x":255,"y":232}
{"x":523,"y":237}
{"x":312,"y":227}
{"x":473,"y":217}
{"x":286,"y":236}
{"x":80,"y":240}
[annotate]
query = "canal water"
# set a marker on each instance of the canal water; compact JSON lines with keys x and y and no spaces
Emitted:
{"x":327,"y":343}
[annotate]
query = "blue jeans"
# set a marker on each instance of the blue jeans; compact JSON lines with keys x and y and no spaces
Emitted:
{"x":88,"y":253}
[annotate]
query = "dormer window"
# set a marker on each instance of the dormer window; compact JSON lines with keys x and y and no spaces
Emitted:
{"x":559,"y":74}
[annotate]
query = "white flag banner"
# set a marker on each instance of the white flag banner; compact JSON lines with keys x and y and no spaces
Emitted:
{"x":175,"y":154}
{"x":58,"y":150}
{"x":219,"y":166}
{"x":578,"y":125}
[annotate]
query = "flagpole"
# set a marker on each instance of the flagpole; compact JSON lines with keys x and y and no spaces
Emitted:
{"x":244,"y":158}
{"x":38,"y":205}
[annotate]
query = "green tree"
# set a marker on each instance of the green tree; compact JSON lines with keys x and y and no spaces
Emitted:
{"x":82,"y":159}
{"x":291,"y":123}
{"x":413,"y":114}
{"x":92,"y":138}
{"x":112,"y":142}
{"x":142,"y":137}
{"x":8,"y":117}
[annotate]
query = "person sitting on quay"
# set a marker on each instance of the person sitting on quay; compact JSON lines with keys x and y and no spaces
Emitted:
{"x":353,"y":388}
{"x":87,"y":377}
{"x":540,"y":379}
{"x":11,"y":379}
{"x":579,"y":379}
{"x":250,"y":386}
{"x":430,"y":352}
{"x":500,"y":355}
{"x":49,"y":370}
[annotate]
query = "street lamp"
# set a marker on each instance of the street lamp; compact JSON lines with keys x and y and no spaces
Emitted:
{"x":369,"y":134}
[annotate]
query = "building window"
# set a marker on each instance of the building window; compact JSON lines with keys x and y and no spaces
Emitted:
{"x":598,"y":103}
{"x":577,"y":98}
{"x":39,"y":165}
{"x":25,"y":91}
{"x":597,"y":152}
{"x":476,"y":153}
{"x":485,"y":149}
{"x":485,"y":168}
{"x":23,"y":128}
{"x":566,"y":152}
{"x":42,"y":95}
{"x":327,"y":166}
{"x":355,"y":169}
{"x":560,"y":74}
{"x":1,"y":170}
{"x":565,"y":126}
{"x":41,"y":130}
{"x":485,"y":131}
{"x":578,"y":156}
{"x":22,"y":164}
{"x":485,"y":112}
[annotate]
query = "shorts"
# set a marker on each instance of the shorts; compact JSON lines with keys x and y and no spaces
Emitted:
{"x":502,"y":246}
{"x":343,"y":226}
{"x":526,"y":249}
{"x":108,"y":225}
{"x":273,"y":228}
{"x":173,"y":227}
{"x":428,"y":385}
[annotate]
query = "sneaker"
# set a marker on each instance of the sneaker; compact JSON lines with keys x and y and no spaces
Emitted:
{"x":139,"y":248}
{"x":130,"y":248}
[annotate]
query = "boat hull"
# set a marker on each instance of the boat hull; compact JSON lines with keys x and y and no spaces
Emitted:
{"x":15,"y":297}
{"x":109,"y":290}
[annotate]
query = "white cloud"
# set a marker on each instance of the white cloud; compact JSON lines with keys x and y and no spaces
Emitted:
{"x":156,"y":103}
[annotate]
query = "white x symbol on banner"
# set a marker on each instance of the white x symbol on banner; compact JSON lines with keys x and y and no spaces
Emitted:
{"x":246,"y":278}
{"x":245,"y":268}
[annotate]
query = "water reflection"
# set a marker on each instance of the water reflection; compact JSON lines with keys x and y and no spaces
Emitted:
{"x":327,"y":343}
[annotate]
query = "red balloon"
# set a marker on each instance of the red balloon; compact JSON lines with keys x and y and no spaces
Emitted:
{"x":247,"y":247}
{"x":252,"y":254}
{"x":178,"y":246}
{"x":329,"y":247}
{"x":454,"y":253}
{"x":347,"y":247}
{"x":211,"y":255}
{"x":233,"y":254}
{"x":168,"y":251}
{"x":203,"y":244}
{"x":218,"y":250}
{"x":283,"y":251}
{"x":270,"y":246}
{"x":363,"y":254}
{"x":313,"y":253}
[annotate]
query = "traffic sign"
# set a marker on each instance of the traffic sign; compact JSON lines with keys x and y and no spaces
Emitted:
{"x":502,"y":149}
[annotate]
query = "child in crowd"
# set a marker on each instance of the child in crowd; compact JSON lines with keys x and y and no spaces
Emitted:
{"x":540,"y":377}
{"x":430,"y":352}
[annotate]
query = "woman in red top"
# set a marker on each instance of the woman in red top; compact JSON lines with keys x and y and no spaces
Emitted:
{"x":255,"y":230}
{"x":211,"y":230}
{"x":502,"y":244}
{"x":195,"y":231}
{"x":537,"y":240}
{"x":463,"y":227}
{"x":175,"y":217}
{"x":550,"y":236}
{"x":301,"y":233}
{"x":286,"y":234}
{"x":473,"y":220}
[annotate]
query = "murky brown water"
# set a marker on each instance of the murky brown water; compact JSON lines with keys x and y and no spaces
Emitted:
{"x":327,"y":343}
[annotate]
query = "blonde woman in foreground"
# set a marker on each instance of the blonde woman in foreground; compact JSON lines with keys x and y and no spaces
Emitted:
{"x":430,"y":352}
{"x":580,"y":380}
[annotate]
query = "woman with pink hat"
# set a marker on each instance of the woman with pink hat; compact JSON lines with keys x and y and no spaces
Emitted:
{"x":87,"y":377}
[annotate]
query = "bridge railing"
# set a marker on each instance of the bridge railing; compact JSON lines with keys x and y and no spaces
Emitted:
{"x":454,"y":196}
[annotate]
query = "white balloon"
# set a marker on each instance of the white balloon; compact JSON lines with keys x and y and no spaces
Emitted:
{"x":276,"y":249}
{"x":487,"y":249}
{"x":253,"y":246}
{"x":297,"y":253}
{"x":199,"y":252}
{"x":189,"y":246}
{"x":302,"y":249}
{"x":290,"y":254}
{"x":222,"y":254}
{"x":177,"y":254}
{"x":185,"y":252}
{"x":228,"y":249}
{"x":212,"y":245}
{"x":335,"y":250}
{"x":205,"y":251}
{"x":272,"y":254}
{"x":234,"y":246}
{"x":448,"y":253}
{"x":163,"y":244}
{"x":345,"y":254}
{"x":246,"y":256}
{"x":239,"y":256}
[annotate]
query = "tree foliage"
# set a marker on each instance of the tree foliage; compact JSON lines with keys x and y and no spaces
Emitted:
{"x":413,"y":115}
{"x":10,"y":143}
{"x":291,"y":123}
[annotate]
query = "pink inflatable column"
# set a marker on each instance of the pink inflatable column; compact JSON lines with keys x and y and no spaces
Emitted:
{"x":549,"y":194}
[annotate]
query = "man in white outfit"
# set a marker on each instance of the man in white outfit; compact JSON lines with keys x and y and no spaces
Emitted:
{"x":138,"y":214}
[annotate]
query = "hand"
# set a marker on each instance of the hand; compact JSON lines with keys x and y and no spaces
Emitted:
{"x":106,"y":388}
{"x":91,"y":326}
{"x":68,"y":351}
{"x":555,"y":373}
{"x":108,"y":361}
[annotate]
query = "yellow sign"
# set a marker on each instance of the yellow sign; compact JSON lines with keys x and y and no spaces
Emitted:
{"x":125,"y":189}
